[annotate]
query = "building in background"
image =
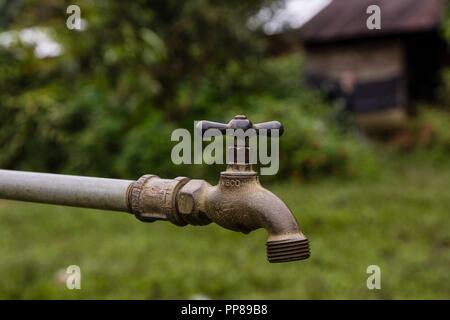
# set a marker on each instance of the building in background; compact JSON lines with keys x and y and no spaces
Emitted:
{"x":378,"y":73}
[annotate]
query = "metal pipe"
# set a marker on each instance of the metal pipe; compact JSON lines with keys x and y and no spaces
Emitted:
{"x":88,"y":192}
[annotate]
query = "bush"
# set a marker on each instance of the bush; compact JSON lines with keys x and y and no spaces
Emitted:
{"x":108,"y":104}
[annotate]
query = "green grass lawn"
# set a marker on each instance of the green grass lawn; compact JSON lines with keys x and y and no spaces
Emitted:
{"x":399,"y":221}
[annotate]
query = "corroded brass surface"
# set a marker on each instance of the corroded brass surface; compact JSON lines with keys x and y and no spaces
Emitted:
{"x":152,"y":198}
{"x":237,"y":203}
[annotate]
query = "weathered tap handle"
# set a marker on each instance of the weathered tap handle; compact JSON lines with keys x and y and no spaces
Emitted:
{"x":266,"y":128}
{"x":241,"y":122}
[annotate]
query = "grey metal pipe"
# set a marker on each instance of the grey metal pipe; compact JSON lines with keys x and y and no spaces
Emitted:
{"x":88,"y":192}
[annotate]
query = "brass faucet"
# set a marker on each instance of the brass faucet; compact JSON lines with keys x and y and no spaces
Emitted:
{"x":237,"y":203}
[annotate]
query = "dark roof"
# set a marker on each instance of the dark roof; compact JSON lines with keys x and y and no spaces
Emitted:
{"x":346,"y":19}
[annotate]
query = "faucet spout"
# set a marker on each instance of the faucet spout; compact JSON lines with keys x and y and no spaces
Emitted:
{"x":285,"y":241}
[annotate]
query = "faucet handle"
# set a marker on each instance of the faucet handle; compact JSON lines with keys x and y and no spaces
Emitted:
{"x":241,"y":122}
{"x":204,"y":126}
{"x":265,"y":128}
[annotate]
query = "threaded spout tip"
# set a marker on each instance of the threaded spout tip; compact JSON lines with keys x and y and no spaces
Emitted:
{"x":288,"y":250}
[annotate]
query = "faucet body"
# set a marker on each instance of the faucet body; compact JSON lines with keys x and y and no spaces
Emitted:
{"x":238,"y":203}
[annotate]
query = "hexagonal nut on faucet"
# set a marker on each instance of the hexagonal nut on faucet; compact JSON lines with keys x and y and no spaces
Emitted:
{"x":189,"y":202}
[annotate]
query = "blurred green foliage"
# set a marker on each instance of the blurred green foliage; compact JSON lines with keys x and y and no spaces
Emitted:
{"x":108,"y":104}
